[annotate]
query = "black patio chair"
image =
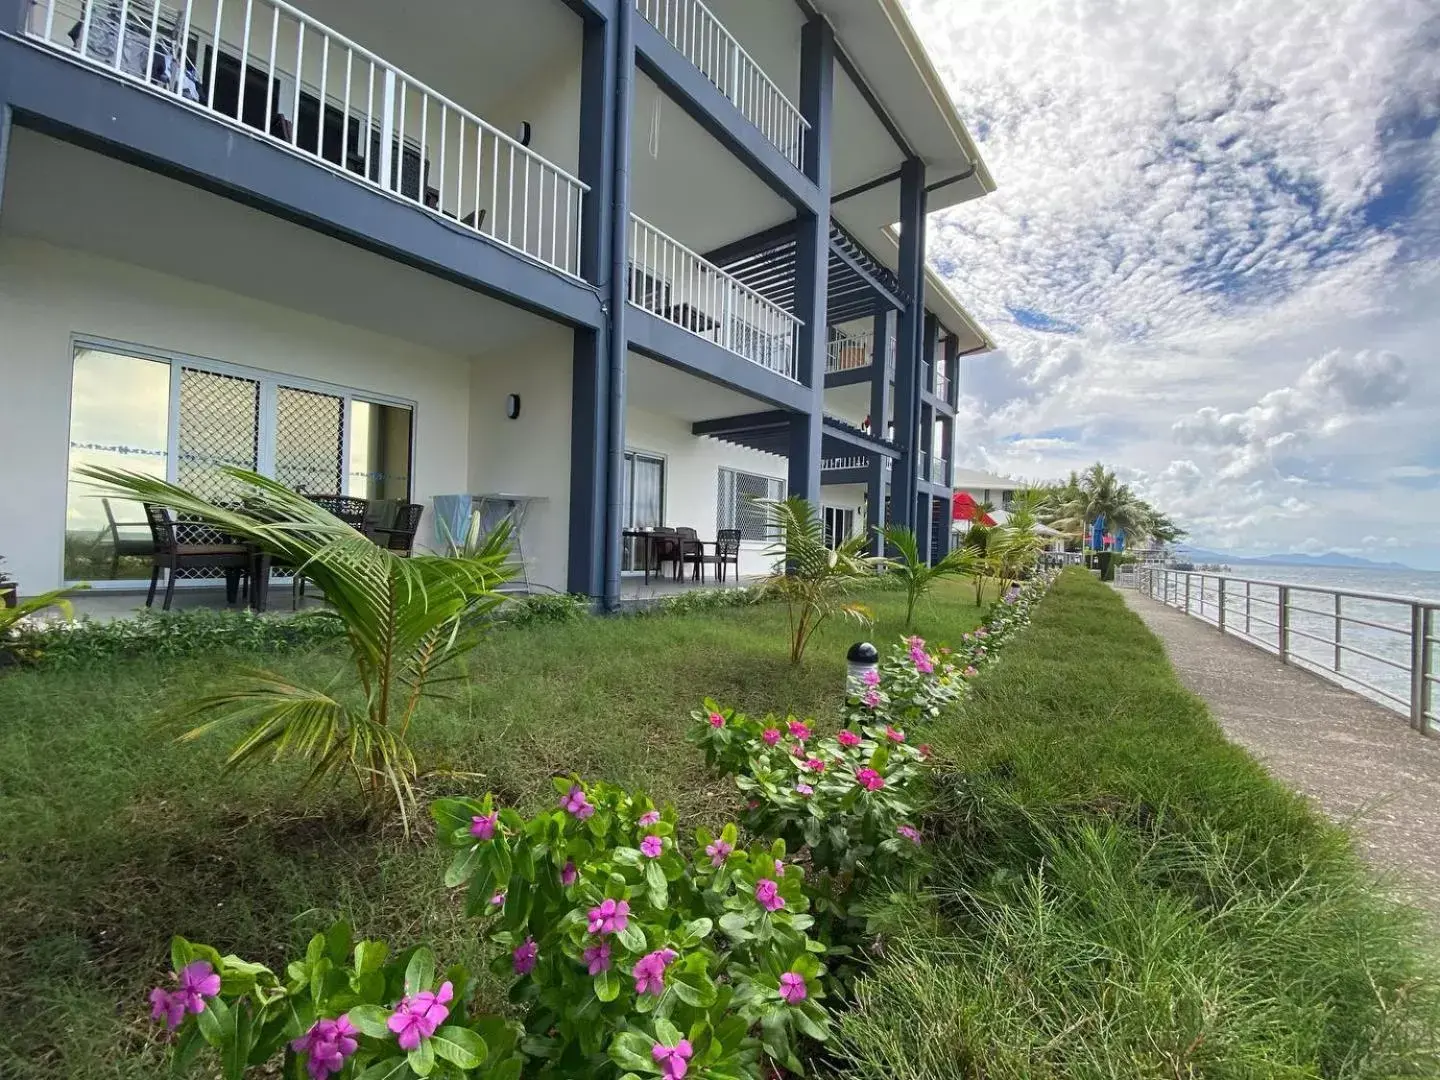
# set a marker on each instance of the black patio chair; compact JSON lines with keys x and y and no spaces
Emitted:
{"x":182,"y":545}
{"x":727,"y":553}
{"x":126,"y":546}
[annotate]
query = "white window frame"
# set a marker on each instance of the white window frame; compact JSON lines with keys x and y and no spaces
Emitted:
{"x":728,"y":519}
{"x":269,"y":381}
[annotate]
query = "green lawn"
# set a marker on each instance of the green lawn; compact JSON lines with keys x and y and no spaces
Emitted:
{"x":112,"y":838}
{"x":1121,"y":893}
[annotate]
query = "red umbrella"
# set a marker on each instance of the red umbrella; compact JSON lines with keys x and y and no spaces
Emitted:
{"x":965,"y":509}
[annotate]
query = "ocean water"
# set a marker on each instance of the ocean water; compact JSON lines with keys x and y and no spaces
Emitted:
{"x":1375,"y":634}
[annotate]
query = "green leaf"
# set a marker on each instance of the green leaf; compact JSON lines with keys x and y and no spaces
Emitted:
{"x":632,"y":937}
{"x":735,"y":924}
{"x":179,"y":953}
{"x":460,"y":1046}
{"x":667,"y":1032}
{"x":420,"y":972}
{"x":462,"y":866}
{"x":655,"y":879}
{"x":422,"y":1058}
{"x":698,"y":929}
{"x":694,"y":989}
{"x":214,"y":1022}
{"x":236,"y":1053}
{"x":370,"y":956}
{"x":451,"y":815}
{"x":607,"y":985}
{"x":500,"y":861}
{"x":187,"y":1047}
{"x":391,"y":1068}
{"x":337,"y":942}
{"x":370,"y":1020}
{"x":631,"y":1050}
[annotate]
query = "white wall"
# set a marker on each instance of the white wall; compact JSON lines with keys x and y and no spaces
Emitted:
{"x":529,"y":455}
{"x":48,"y":293}
{"x":692,"y":466}
{"x":847,"y":497}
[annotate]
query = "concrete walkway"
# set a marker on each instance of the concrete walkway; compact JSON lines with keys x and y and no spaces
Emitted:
{"x":1359,"y":761}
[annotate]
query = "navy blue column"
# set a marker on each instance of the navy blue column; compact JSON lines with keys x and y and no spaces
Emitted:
{"x":591,"y":365}
{"x":13,"y":14}
{"x":911,"y":272}
{"x":812,"y":261}
{"x":875,"y":478}
{"x":952,"y":368}
{"x":623,"y":109}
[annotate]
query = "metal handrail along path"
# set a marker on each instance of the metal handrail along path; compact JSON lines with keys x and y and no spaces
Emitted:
{"x":1380,"y":643}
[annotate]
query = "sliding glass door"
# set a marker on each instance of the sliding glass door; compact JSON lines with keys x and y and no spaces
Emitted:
{"x":644,"y":503}
{"x":185,"y":420}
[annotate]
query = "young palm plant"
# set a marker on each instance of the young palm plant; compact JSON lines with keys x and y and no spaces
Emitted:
{"x":812,"y":579}
{"x":918,"y":575}
{"x":406,"y":619}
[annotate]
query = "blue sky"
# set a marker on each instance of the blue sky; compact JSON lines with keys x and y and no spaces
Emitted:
{"x":1213,"y":260}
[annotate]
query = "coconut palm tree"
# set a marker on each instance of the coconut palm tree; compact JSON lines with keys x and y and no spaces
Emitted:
{"x":811,"y":578}
{"x":405,"y":619}
{"x":918,"y":575}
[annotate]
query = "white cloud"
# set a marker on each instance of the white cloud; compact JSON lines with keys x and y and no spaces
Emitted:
{"x":1231,"y":212}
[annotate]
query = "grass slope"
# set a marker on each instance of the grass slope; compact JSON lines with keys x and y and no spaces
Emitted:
{"x":1121,"y":893}
{"x":113,"y":838}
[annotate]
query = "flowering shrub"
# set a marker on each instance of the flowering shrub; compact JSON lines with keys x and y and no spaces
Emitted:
{"x":630,"y":953}
{"x":343,"y":1010}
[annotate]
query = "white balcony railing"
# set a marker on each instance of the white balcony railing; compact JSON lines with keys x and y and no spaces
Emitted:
{"x":670,"y":281}
{"x":942,"y":384}
{"x":849,"y":351}
{"x":938,"y":466}
{"x":694,"y":30}
{"x":275,"y":73}
{"x":858,"y":461}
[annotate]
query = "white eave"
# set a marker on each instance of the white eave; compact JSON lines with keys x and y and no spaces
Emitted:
{"x":884,"y":47}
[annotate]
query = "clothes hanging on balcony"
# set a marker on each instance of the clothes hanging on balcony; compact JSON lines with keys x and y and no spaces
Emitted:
{"x":103,"y":38}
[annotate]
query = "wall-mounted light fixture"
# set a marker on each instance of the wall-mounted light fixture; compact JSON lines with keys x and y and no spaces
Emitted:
{"x":512,"y":406}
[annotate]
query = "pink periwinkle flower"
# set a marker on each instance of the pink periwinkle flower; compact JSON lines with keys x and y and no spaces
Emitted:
{"x":915,"y":642}
{"x":848,"y":738}
{"x":650,"y":817}
{"x":894,"y":734}
{"x":768,"y":894}
{"x":716,"y":720}
{"x":597,"y":958}
{"x":418,"y":1015}
{"x":923,"y":663}
{"x":498,"y":900}
{"x":651,"y":846}
{"x":719,"y":851}
{"x":328,"y":1043}
{"x":871,"y":700}
{"x":805,"y":789}
{"x":673,"y":1060}
{"x":577,"y":804}
{"x":779,"y":868}
{"x":525,"y":955}
{"x":482,"y":827}
{"x":800,"y":729}
{"x":650,"y":971}
{"x":982,"y":632}
{"x":771,"y":736}
{"x":611,"y":917}
{"x":792,"y":988}
{"x":568,"y":874}
{"x":909,"y":832}
{"x":798,"y":750}
{"x":971,"y":672}
{"x":871,"y":678}
{"x":168,"y":1006}
{"x":925,"y":751}
{"x":869,"y":779}
{"x":815,"y":764}
{"x":198,"y":983}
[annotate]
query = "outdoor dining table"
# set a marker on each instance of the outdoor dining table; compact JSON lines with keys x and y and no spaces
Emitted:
{"x":647,"y":539}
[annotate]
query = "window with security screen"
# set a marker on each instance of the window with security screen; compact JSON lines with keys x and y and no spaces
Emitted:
{"x":739,"y":498}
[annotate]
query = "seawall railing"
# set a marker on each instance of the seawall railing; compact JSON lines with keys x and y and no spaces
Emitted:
{"x":1382,"y":645}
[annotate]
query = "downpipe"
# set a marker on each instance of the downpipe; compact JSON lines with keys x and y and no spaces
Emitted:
{"x":619,"y":254}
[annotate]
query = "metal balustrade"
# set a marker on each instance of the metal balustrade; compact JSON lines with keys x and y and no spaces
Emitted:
{"x":277,"y":74}
{"x":1381,"y":645}
{"x":672,"y":282}
{"x":938,"y":466}
{"x":848,"y":351}
{"x":858,"y":461}
{"x":695,"y":31}
{"x":942,"y":384}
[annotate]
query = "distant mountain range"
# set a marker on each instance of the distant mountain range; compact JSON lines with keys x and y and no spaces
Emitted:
{"x":1333,"y":558}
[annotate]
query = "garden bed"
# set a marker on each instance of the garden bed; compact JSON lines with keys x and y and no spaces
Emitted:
{"x":1120,"y":891}
{"x":116,"y":837}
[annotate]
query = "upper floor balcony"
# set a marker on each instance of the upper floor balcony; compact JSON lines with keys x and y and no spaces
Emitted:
{"x":673,"y":283}
{"x":281,"y":75}
{"x":701,"y":37}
